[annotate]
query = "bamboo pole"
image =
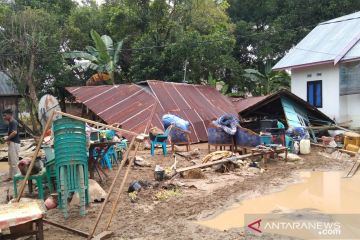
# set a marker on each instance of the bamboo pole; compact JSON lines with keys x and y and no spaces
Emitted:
{"x":97,"y":123}
{"x":47,"y":126}
{"x":111,"y":188}
{"x":121,"y":187}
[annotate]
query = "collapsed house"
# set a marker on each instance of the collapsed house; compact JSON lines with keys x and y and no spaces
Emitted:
{"x":139,"y":107}
{"x":284,"y":106}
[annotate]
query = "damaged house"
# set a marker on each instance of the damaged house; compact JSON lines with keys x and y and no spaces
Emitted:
{"x":284,"y":106}
{"x":131,"y":105}
{"x":325,"y":68}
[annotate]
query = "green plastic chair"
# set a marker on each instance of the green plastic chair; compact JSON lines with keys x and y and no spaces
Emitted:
{"x":71,"y":162}
{"x":39,"y":179}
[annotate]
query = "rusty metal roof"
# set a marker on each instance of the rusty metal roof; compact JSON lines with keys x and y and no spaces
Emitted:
{"x":243,"y":103}
{"x":131,"y":105}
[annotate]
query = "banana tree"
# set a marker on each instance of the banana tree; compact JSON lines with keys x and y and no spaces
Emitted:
{"x":268,"y":82}
{"x":102,"y":58}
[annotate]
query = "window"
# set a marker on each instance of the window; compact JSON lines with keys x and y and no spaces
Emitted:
{"x":314,"y":93}
{"x":349,"y":78}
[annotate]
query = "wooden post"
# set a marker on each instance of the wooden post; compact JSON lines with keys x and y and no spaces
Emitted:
{"x":111,"y":189}
{"x":47,"y":126}
{"x":122,"y":186}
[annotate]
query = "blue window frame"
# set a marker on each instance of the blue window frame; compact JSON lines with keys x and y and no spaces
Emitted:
{"x":314,"y":93}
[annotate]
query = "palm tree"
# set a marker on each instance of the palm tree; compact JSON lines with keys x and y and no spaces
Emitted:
{"x":102,"y":58}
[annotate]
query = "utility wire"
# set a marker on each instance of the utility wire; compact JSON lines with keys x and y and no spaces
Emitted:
{"x":165,"y":45}
{"x":203,"y":42}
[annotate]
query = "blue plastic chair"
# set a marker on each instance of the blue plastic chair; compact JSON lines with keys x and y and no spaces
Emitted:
{"x":105,"y":158}
{"x":160,"y":139}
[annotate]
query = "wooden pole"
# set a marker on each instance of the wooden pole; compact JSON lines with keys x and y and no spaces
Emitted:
{"x":122,"y":186}
{"x":111,"y":189}
{"x":47,"y":126}
{"x":97,"y":123}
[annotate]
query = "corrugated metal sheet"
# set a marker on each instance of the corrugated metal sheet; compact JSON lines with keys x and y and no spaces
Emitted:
{"x":131,"y":105}
{"x":243,"y":103}
{"x":325,"y":43}
{"x":7,"y":87}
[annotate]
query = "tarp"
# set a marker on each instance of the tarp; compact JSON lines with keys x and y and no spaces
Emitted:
{"x":131,"y":105}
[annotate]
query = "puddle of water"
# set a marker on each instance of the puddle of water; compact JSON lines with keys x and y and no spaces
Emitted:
{"x":327,"y":192}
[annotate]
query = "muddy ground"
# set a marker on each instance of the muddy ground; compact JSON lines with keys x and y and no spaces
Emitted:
{"x":175,"y":217}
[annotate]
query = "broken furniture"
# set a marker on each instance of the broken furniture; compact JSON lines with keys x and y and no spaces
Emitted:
{"x":269,"y":151}
{"x":179,"y":137}
{"x":23,"y":219}
{"x":71,"y":162}
{"x":94,"y":161}
{"x":219,"y":138}
{"x":39,"y":179}
{"x":160,"y":139}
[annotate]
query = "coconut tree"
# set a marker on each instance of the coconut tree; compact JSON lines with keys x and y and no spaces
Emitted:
{"x":102,"y":58}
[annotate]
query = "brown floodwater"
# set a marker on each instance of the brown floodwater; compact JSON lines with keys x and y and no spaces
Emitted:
{"x":326,"y":192}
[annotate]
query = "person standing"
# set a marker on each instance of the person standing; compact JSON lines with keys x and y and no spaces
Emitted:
{"x":13,"y":141}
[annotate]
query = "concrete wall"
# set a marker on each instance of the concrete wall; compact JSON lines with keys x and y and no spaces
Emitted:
{"x":350,"y":109}
{"x":330,"y":86}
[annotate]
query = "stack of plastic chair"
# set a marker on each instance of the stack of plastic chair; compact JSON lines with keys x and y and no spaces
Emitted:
{"x":71,"y":162}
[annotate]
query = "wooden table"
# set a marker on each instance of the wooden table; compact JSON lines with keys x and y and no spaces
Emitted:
{"x":266,"y":152}
{"x":91,"y":159}
{"x":23,"y":219}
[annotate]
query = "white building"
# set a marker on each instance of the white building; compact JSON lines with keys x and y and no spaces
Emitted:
{"x":325,"y":68}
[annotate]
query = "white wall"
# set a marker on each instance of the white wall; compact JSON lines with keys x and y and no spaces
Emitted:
{"x":330,"y":86}
{"x":350,"y":109}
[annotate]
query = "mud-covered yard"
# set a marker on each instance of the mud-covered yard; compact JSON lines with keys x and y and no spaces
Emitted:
{"x":175,"y":217}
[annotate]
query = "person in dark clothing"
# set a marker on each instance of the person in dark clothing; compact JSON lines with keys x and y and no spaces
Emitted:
{"x":13,"y":141}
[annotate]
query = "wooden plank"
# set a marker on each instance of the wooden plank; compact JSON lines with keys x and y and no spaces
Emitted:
{"x":72,"y":230}
{"x":204,"y":165}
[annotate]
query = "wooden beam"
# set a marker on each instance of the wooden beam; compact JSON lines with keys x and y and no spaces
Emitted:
{"x":97,"y":123}
{"x":115,"y":203}
{"x":111,"y":189}
{"x":78,"y":232}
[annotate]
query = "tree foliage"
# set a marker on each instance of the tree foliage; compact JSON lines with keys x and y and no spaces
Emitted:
{"x":170,"y":40}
